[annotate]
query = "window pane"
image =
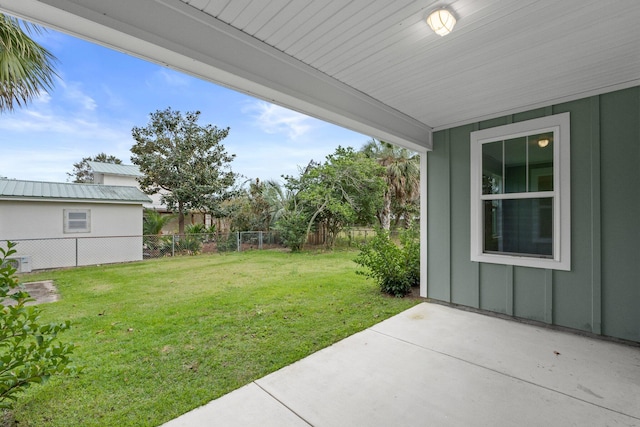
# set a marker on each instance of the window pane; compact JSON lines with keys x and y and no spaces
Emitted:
{"x":541,"y":162}
{"x":492,"y":168}
{"x":78,"y":215}
{"x":77,"y":225}
{"x":515,"y":165}
{"x":520,"y":226}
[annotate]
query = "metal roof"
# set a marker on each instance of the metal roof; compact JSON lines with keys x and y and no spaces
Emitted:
{"x":114,"y":169}
{"x":37,"y":190}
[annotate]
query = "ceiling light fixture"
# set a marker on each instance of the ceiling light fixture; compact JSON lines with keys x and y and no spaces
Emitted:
{"x":543,"y":142}
{"x":441,"y":22}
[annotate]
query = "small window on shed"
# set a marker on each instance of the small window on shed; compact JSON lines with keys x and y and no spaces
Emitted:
{"x":77,"y":220}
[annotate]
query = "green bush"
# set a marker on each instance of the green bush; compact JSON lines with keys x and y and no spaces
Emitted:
{"x":29,"y":351}
{"x":410,"y":241}
{"x":195,"y":229}
{"x":189,"y":244}
{"x":227,"y":242}
{"x":292,"y":227}
{"x":394,"y":268}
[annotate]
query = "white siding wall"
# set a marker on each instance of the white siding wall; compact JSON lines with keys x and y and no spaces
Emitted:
{"x":44,"y":220}
{"x":124,"y":181}
{"x":129,"y":181}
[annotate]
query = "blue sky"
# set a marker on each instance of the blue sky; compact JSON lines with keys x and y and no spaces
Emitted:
{"x":102,"y":94}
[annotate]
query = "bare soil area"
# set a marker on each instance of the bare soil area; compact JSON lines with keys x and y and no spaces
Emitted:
{"x":42,"y":292}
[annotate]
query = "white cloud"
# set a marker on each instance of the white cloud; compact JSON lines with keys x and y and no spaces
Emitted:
{"x":73,"y":93}
{"x":43,"y":98}
{"x":274,"y":119}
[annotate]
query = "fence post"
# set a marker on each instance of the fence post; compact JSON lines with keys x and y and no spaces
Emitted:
{"x":173,"y":245}
{"x":259,"y":239}
{"x":76,"y":251}
{"x":239,"y":241}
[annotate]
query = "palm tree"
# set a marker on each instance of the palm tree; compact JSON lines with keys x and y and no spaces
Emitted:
{"x":402,"y":174}
{"x":153,"y":222}
{"x":26,"y":68}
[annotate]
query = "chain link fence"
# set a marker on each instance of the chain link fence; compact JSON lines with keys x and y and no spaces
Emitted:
{"x":41,"y":254}
{"x":190,"y":244}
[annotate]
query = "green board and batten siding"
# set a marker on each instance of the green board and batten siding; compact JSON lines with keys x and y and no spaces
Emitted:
{"x":601,"y":293}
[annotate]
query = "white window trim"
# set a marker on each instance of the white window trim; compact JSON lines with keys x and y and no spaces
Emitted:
{"x":66,"y":228}
{"x":560,"y":125}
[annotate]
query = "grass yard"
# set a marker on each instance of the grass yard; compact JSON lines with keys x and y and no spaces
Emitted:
{"x":161,"y":337}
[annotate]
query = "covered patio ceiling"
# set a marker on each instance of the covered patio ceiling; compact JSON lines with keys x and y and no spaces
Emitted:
{"x":374,"y":66}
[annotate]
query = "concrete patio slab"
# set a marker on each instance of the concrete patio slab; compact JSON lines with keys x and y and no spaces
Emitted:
{"x":440,"y":366}
{"x":247,"y":406}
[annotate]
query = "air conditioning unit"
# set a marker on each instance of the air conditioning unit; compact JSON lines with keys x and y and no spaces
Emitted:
{"x":22,"y":264}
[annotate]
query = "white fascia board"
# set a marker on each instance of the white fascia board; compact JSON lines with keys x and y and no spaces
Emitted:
{"x":174,"y":34}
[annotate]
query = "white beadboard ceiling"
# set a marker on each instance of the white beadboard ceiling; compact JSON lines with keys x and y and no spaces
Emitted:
{"x":374,"y":65}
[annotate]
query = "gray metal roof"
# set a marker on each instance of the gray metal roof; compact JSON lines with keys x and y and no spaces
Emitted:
{"x":37,"y":190}
{"x":113,"y":169}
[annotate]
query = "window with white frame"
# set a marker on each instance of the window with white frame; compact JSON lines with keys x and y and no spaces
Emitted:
{"x":520,"y":201}
{"x":77,"y":220}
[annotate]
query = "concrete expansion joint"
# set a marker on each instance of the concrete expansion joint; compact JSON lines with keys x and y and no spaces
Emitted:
{"x":283,"y":404}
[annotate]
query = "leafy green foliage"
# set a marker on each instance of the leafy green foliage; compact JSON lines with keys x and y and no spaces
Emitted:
{"x":186,"y":244}
{"x":153,"y":222}
{"x":345,"y":190}
{"x":185,"y":159}
{"x":26,"y":68}
{"x":29,"y":351}
{"x":401,"y":172}
{"x":198,"y":228}
{"x":82,"y":172}
{"x":256,"y":207}
{"x":410,"y":241}
{"x":292,"y":226}
{"x":394,"y":268}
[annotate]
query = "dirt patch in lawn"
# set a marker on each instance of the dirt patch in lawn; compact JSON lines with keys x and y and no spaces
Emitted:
{"x":43,"y":292}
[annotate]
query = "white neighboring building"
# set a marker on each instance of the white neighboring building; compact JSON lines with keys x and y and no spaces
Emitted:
{"x":64,"y":224}
{"x":123,"y":175}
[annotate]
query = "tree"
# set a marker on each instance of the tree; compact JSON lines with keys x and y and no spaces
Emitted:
{"x":153,"y":222}
{"x":82,"y":173}
{"x":402,"y":176}
{"x":26,"y":68}
{"x":344,"y":190}
{"x":256,"y":207}
{"x":185,"y":159}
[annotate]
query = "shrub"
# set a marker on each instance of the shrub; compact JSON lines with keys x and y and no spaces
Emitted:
{"x":394,"y":268}
{"x":292,"y":227}
{"x":227,"y":242}
{"x":410,"y":241}
{"x":29,"y":351}
{"x":189,"y":244}
{"x":195,"y":229}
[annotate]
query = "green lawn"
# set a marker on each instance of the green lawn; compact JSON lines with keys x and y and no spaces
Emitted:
{"x":161,"y":337}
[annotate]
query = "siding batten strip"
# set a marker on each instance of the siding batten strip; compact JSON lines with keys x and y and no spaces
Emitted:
{"x":548,"y":296}
{"x":596,"y":236}
{"x":447,"y":242}
{"x":509,"y":289}
{"x":476,"y":265}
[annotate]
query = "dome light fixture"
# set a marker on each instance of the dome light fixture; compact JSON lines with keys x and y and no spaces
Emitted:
{"x":441,"y":22}
{"x":543,"y":142}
